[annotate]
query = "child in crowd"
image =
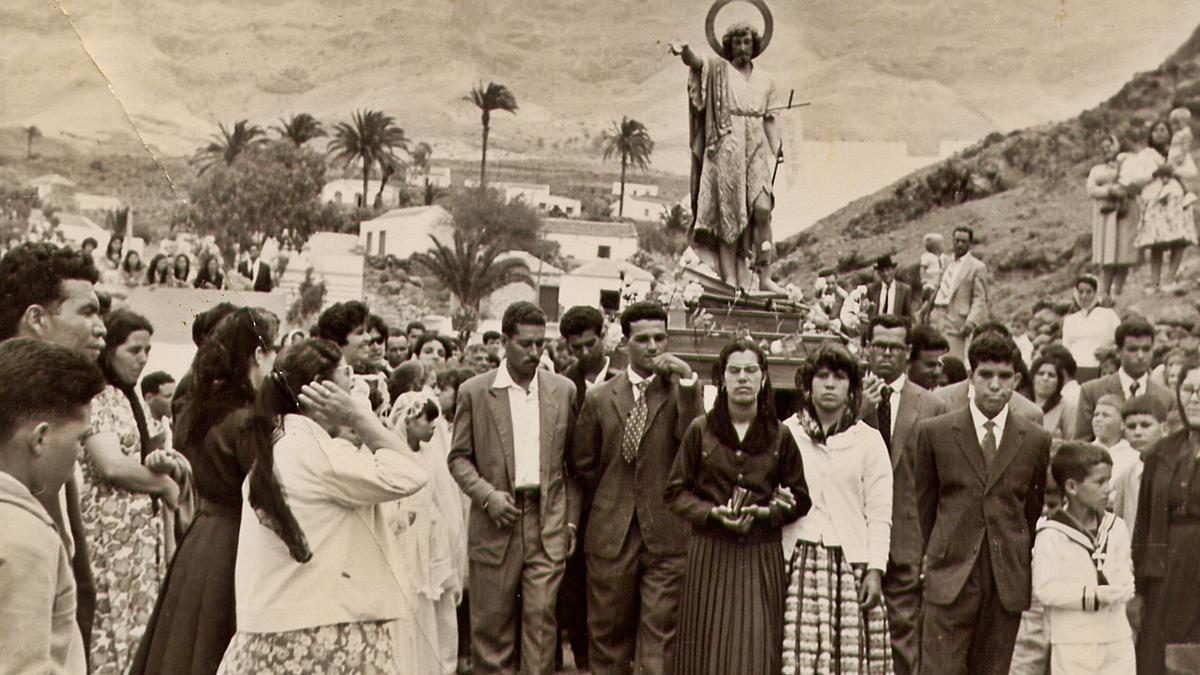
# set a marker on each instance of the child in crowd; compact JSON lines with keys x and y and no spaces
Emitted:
{"x":1110,"y":431}
{"x":1083,"y":569}
{"x":933,"y":261}
{"x":1031,"y":652}
{"x":1145,"y":423}
{"x":1179,"y":155}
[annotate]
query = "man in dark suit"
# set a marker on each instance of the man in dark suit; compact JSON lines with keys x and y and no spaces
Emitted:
{"x":958,"y":394}
{"x":1135,"y":346}
{"x":257,"y":271}
{"x":583,"y":328}
{"x":625,"y":445}
{"x":511,"y":427}
{"x":889,"y":295}
{"x":894,"y":404}
{"x":980,"y":475}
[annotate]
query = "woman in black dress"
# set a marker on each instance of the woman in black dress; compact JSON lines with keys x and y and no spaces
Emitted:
{"x":738,"y":479}
{"x":1166,"y":537}
{"x":194,"y":618}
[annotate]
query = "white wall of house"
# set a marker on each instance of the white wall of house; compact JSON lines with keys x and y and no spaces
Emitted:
{"x":591,"y":247}
{"x":635,"y":189}
{"x":346,"y":191}
{"x":639,"y":209}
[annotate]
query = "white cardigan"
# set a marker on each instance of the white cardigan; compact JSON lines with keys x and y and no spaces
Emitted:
{"x":850,"y":482}
{"x":334,"y":489}
{"x":1065,"y":580}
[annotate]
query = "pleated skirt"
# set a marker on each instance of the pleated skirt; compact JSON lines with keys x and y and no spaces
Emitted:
{"x":825,"y":629}
{"x":731,"y":609}
{"x":194,"y":617}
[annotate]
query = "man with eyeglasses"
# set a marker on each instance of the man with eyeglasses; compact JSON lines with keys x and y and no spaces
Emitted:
{"x":511,"y":427}
{"x":893,"y":404}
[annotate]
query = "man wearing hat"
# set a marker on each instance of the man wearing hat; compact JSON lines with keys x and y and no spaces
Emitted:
{"x":889,"y":295}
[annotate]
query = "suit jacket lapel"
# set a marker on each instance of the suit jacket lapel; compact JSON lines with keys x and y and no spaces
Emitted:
{"x":964,"y":270}
{"x":906,"y":414}
{"x":657,"y":394}
{"x":622,"y":396}
{"x":1011,"y":441}
{"x":968,"y":443}
{"x":547,"y":419}
{"x":502,"y":418}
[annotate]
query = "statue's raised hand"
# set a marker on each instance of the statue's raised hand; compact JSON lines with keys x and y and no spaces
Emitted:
{"x":675,"y":47}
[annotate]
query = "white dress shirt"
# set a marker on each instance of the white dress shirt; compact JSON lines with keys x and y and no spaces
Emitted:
{"x":599,"y":378}
{"x":526,"y":415}
{"x":635,"y":380}
{"x":849,"y":480}
{"x":950,"y":276}
{"x":887,"y":298}
{"x":1127,"y":381}
{"x":977,"y":416}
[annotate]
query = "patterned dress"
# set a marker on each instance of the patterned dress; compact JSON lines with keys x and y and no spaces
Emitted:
{"x":126,"y":541}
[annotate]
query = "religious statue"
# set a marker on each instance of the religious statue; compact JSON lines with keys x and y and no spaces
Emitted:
{"x":736,"y":149}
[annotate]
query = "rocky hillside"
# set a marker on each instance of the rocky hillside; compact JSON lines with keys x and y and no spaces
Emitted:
{"x":1023,"y":192}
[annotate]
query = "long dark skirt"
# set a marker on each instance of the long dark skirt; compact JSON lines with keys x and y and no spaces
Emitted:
{"x":194,"y":618}
{"x":1172,"y":615}
{"x":731,"y":610}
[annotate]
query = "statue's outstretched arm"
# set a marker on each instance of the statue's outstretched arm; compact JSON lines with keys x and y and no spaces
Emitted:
{"x":690,"y":58}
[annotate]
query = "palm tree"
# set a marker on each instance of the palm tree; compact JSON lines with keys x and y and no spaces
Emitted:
{"x":631,"y":139}
{"x":226,"y":146}
{"x":492,"y":97}
{"x":30,"y":134}
{"x":371,"y":137}
{"x":300,"y":129}
{"x":471,"y":270}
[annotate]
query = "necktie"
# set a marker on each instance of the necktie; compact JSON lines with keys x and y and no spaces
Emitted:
{"x":989,"y":442}
{"x":1133,"y":387}
{"x":883,"y":300}
{"x":636,"y":425}
{"x":885,"y":415}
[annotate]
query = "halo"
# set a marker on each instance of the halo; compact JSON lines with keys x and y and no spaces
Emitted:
{"x":768,"y":24}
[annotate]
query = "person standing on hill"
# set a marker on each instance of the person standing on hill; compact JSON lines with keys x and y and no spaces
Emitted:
{"x":960,"y":303}
{"x":1113,"y":223}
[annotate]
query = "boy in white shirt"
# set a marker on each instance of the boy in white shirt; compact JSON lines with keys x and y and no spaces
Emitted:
{"x":1145,"y":423}
{"x":1083,"y":570}
{"x":1109,"y":429}
{"x":933,"y":261}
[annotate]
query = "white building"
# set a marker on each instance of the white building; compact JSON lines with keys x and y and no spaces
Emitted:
{"x":592,"y":240}
{"x":545,"y":291}
{"x":403,"y":232}
{"x":348,"y":192}
{"x":438,"y":176}
{"x":634,"y":189}
{"x":52,"y":184}
{"x":535,"y":195}
{"x":86,"y":203}
{"x":334,"y":259}
{"x":76,"y":227}
{"x":643,"y":208}
{"x":600,"y":283}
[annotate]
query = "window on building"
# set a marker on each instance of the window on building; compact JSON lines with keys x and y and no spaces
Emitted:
{"x":604,"y":252}
{"x":382,"y":242}
{"x":369,"y":235}
{"x":610,"y":301}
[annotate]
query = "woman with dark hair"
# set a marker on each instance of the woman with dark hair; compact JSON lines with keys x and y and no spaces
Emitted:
{"x":408,"y":376}
{"x":120,"y":516}
{"x":110,"y":264}
{"x":181,"y":270}
{"x":738,"y":479}
{"x":1046,"y":381}
{"x":313,"y":584}
{"x":1166,"y":225}
{"x":157,"y":272}
{"x":432,"y":349}
{"x":1114,"y":222}
{"x":835,"y":620}
{"x":1166,"y":536}
{"x":131,"y":269}
{"x":210,"y":276}
{"x":193,"y":619}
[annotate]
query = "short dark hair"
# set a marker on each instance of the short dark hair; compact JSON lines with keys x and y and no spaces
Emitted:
{"x":579,"y":320}
{"x":152,"y":383}
{"x":377,"y":324}
{"x":495,"y":334}
{"x":1135,"y":328}
{"x":413,"y":324}
{"x":521,"y":313}
{"x":1144,"y":404}
{"x":1088,"y":279}
{"x":1058,"y":352}
{"x":887,"y":322}
{"x":644,"y":310}
{"x":993,"y":348}
{"x":836,"y":358}
{"x":89,"y":240}
{"x":968,"y":229}
{"x":447,"y":347}
{"x":1075,"y":460}
{"x":953,"y":369}
{"x":926,"y":338}
{"x":992,"y":326}
{"x":339,"y":320}
{"x":454,"y":377}
{"x":42,"y":379}
{"x":33,"y":274}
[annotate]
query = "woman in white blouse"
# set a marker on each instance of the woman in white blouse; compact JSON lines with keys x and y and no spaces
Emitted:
{"x":835,"y":619}
{"x":313,"y":582}
{"x":1089,"y":329}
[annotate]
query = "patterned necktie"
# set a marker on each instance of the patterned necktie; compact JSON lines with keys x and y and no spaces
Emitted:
{"x":989,"y":442}
{"x":635,"y":427}
{"x":1133,"y":387}
{"x":885,"y":415}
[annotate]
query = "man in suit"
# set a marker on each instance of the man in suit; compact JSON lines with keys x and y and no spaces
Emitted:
{"x":927,"y":347}
{"x":980,"y":475}
{"x":511,"y":427}
{"x":48,"y":293}
{"x":958,"y":394}
{"x":960,"y":303}
{"x":257,"y":271}
{"x":893,"y":404}
{"x":1135,"y":346}
{"x":583,"y":328}
{"x":889,"y":295}
{"x":625,"y":445}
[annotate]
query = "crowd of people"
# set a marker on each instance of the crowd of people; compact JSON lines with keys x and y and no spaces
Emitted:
{"x":122,"y":267}
{"x":950,"y":493}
